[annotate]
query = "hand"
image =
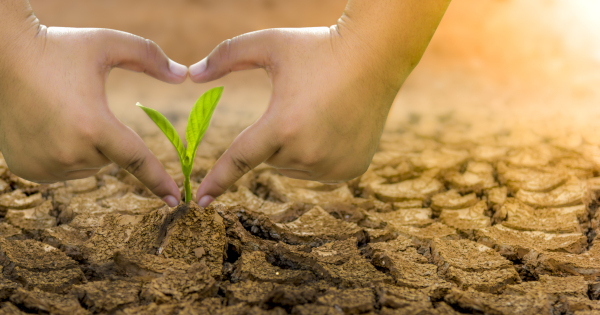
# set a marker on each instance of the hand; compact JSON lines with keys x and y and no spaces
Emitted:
{"x":329,"y":104}
{"x":55,"y":123}
{"x":332,"y":90}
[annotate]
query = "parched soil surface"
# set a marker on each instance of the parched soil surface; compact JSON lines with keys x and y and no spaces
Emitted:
{"x":448,"y":223}
{"x":451,"y":218}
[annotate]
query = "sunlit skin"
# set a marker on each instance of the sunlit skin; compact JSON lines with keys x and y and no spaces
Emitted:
{"x":55,"y":123}
{"x":332,"y":91}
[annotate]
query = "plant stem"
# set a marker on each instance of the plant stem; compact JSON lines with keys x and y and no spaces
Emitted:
{"x":188,"y":189}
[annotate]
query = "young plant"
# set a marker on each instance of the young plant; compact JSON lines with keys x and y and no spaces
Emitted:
{"x":196,"y":127}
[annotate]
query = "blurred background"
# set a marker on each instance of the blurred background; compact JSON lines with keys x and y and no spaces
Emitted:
{"x":492,"y":63}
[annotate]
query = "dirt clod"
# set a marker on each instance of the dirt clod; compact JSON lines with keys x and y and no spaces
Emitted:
{"x":38,"y":265}
{"x":108,"y":296}
{"x":193,"y":284}
{"x":199,"y":227}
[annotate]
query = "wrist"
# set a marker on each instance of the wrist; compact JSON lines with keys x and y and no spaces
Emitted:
{"x":18,"y":24}
{"x":392,"y":35}
{"x":19,"y":30}
{"x":369,"y":64}
{"x":381,"y":68}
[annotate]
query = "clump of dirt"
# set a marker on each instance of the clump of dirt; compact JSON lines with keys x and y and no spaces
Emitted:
{"x":468,"y":220}
{"x":535,"y":302}
{"x":192,"y":284}
{"x":37,"y":218}
{"x":408,"y":268}
{"x":37,"y":265}
{"x":112,"y":235}
{"x":135,"y":263}
{"x":352,"y":301}
{"x":554,"y":287}
{"x":45,"y":302}
{"x":198,"y":236}
{"x":470,"y":265}
{"x":254,"y":266}
{"x":314,"y":227}
{"x":17,"y":199}
{"x":515,"y":244}
{"x":108,"y":296}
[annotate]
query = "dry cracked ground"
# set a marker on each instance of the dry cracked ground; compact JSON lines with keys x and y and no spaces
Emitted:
{"x":453,"y":221}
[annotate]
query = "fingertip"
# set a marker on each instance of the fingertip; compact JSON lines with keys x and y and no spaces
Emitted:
{"x":175,"y":190}
{"x":204,"y":196}
{"x":178,"y":70}
{"x":205,"y":201}
{"x":172,"y":201}
{"x":169,"y":193}
{"x":197,"y":70}
{"x":201,"y":192}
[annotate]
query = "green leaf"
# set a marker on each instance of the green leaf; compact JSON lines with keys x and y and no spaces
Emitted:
{"x":200,"y":119}
{"x":167,"y":128}
{"x":197,"y":124}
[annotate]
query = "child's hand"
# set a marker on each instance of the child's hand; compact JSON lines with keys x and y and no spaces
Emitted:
{"x":55,"y":123}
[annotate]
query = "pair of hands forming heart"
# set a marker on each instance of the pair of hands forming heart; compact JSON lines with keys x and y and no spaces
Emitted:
{"x":332,"y":91}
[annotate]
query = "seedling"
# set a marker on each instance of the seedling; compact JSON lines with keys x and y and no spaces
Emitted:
{"x":196,"y":127}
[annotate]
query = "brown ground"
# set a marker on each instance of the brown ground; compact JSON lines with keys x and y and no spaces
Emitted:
{"x":481,"y":199}
{"x":495,"y":221}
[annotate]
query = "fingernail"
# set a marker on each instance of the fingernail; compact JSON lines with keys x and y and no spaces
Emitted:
{"x":205,"y":201}
{"x":171,"y":201}
{"x":197,"y":68}
{"x":177,"y":69}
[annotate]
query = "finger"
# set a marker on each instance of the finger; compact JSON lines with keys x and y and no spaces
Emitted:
{"x":135,"y":53}
{"x":124,"y":147}
{"x":252,"y":147}
{"x":244,"y":52}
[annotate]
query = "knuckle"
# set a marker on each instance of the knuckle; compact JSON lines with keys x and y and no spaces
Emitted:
{"x":221,"y":186}
{"x":158,"y":186}
{"x":240,"y":165}
{"x":104,"y":39}
{"x":151,"y":49}
{"x":65,"y":158}
{"x":86,"y":131}
{"x":311,"y":159}
{"x":224,"y":49}
{"x":135,"y":164}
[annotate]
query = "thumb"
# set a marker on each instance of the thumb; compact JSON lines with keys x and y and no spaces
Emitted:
{"x":244,"y":52}
{"x":135,"y":53}
{"x":123,"y":146}
{"x":252,"y":147}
